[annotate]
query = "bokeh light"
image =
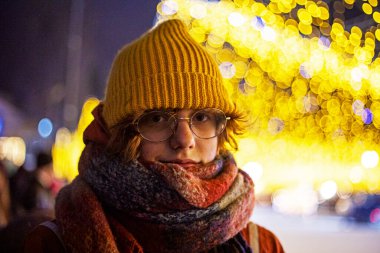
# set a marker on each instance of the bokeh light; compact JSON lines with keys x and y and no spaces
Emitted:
{"x":356,"y":174}
{"x":68,"y":145}
{"x":254,"y":170}
{"x":309,"y":83}
{"x":227,"y":69}
{"x":301,"y":200}
{"x":328,"y":190}
{"x":198,"y":11}
{"x":374,"y":216}
{"x":370,"y":159}
{"x":13,"y":149}
{"x":2,"y":123}
{"x":167,"y":7}
{"x":45,"y":127}
{"x":236,"y":19}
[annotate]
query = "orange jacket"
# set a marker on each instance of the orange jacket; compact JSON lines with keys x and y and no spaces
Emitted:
{"x":46,"y":239}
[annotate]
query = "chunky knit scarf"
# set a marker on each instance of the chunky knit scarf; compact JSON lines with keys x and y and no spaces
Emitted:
{"x":152,"y":207}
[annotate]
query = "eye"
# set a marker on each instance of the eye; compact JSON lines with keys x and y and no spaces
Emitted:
{"x":157,"y":118}
{"x":152,"y":119}
{"x":201,"y":117}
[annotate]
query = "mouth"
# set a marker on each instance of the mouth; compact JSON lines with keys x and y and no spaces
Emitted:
{"x":186,"y":163}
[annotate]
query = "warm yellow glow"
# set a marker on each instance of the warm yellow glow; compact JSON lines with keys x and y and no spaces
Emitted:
{"x":236,"y":19}
{"x":13,"y":149}
{"x":68,"y":145}
{"x":268,"y":34}
{"x":287,"y":161}
{"x":367,"y":8}
{"x":377,"y":34}
{"x":254,"y":170}
{"x":376,"y":17}
{"x":373,"y":3}
{"x":311,"y":88}
{"x":300,"y":200}
{"x":198,"y":11}
{"x":370,"y":159}
{"x":328,"y":189}
{"x":356,"y":174}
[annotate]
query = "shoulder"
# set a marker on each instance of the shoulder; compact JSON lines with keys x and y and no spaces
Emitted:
{"x":261,"y":239}
{"x":44,"y":238}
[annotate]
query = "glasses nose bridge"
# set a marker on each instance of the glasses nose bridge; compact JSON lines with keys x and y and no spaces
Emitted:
{"x":183,"y":118}
{"x":177,"y":119}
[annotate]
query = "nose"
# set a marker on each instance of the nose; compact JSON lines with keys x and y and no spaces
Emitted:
{"x":183,"y":137}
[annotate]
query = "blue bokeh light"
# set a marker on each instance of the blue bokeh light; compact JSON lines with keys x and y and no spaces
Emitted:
{"x":1,"y":125}
{"x":45,"y":127}
{"x":367,"y":116}
{"x":258,"y":23}
{"x":304,"y":71}
{"x":324,"y":42}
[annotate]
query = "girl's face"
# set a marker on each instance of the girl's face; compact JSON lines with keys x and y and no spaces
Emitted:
{"x":183,"y":147}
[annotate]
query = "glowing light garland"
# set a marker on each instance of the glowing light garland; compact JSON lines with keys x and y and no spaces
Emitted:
{"x":68,"y":145}
{"x":311,"y":88}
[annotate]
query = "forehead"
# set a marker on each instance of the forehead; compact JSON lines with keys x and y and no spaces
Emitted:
{"x":184,"y":112}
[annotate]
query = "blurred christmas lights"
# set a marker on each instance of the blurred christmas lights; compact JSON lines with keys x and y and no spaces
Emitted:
{"x":13,"y":149}
{"x":68,"y":145}
{"x":310,"y":87}
{"x":289,"y":43}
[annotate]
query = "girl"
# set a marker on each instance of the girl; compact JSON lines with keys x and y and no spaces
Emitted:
{"x":155,"y":175}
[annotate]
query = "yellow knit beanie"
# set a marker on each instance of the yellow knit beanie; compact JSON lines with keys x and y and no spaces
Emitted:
{"x":165,"y":68}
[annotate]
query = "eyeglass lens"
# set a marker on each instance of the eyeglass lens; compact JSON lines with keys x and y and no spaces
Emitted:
{"x":160,"y":125}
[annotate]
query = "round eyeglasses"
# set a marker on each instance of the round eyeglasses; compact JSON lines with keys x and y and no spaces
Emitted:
{"x":157,"y":126}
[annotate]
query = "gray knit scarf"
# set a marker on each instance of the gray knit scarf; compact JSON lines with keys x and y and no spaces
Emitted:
{"x":168,"y":208}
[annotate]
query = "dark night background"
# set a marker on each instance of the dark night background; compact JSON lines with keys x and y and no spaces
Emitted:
{"x":41,"y":72}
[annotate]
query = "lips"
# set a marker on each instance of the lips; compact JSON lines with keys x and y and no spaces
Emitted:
{"x":186,"y":163}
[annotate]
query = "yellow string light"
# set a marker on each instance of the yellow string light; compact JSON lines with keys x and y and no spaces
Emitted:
{"x":301,"y":78}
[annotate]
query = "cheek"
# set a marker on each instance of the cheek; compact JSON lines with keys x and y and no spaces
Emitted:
{"x":208,"y":149}
{"x":149,"y":151}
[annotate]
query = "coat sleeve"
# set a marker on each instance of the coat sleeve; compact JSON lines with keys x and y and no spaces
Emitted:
{"x":261,"y":239}
{"x":43,"y":240}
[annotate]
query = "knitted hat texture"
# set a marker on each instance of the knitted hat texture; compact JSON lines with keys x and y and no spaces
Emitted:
{"x":165,"y":68}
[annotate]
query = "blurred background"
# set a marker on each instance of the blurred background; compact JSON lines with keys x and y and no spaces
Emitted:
{"x":307,"y":72}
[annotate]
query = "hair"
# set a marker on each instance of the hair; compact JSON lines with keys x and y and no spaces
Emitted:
{"x":236,"y":126}
{"x":125,"y":140}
